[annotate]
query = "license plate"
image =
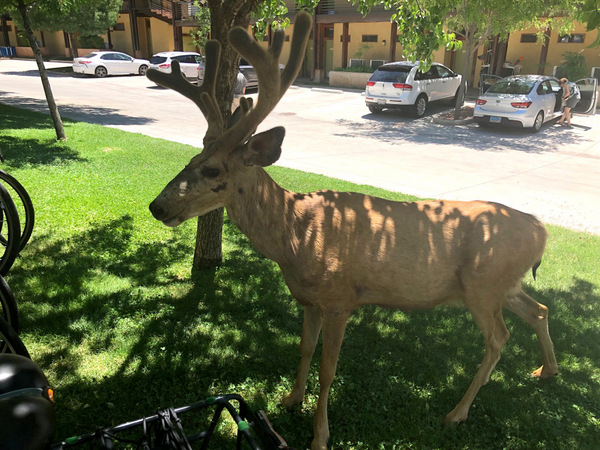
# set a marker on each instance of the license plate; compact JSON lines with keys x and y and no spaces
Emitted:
{"x":494,"y":119}
{"x":380,"y":101}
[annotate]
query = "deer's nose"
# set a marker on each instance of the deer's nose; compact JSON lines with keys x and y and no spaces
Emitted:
{"x":157,"y":210}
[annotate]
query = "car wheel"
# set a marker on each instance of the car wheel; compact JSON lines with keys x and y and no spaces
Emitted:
{"x":539,"y":121}
{"x":142,"y":70}
{"x":100,"y":72}
{"x":420,"y":106}
{"x":375,"y":109}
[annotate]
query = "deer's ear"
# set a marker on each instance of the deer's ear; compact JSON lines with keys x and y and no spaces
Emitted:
{"x":263,"y":149}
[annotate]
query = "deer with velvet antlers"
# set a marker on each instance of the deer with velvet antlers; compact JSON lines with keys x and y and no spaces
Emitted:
{"x":340,"y":250}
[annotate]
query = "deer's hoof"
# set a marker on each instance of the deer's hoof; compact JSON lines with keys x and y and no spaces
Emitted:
{"x":544,"y":372}
{"x":290,"y":402}
{"x":454,"y":418}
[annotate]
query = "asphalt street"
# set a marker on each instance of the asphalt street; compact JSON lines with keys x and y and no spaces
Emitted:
{"x":554,"y":174}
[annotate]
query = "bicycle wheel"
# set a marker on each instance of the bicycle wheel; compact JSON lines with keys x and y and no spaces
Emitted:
{"x":10,"y":231}
{"x":23,"y":203}
{"x":10,"y":342}
{"x":8,"y":305}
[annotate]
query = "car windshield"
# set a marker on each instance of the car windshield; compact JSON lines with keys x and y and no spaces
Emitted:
{"x":158,"y":59}
{"x":391,"y":74}
{"x":512,"y":86}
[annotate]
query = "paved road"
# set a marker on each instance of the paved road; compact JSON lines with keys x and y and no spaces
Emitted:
{"x":554,"y":174}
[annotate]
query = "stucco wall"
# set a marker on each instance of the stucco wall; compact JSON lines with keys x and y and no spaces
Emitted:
{"x":531,"y":51}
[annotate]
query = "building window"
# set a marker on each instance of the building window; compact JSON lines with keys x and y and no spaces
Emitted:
{"x":573,"y":38}
{"x":369,"y":38}
{"x":529,"y":38}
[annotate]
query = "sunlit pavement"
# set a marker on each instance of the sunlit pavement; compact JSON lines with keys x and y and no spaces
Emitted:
{"x":554,"y":174}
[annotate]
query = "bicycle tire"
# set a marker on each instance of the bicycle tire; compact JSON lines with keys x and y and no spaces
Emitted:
{"x":10,"y":231}
{"x":8,"y":305}
{"x":10,"y":340}
{"x":23,"y":203}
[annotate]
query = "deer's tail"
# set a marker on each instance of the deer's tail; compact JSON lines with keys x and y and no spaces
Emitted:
{"x":534,"y":268}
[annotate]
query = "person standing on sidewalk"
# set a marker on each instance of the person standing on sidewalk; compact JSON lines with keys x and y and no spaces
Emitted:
{"x":571,"y":97}
{"x":239,"y":90}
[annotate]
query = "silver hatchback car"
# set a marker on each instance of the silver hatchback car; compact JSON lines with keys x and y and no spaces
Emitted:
{"x":402,"y":85}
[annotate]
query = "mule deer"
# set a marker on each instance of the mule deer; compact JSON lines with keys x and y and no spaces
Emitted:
{"x":340,"y":250}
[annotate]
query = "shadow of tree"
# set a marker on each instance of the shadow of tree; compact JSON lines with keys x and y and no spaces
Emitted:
{"x":32,"y":152}
{"x":91,"y":114}
{"x":234,"y":329}
{"x":397,"y":127}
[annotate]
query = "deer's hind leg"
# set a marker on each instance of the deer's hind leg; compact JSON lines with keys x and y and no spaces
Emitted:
{"x":486,"y":310}
{"x":536,"y":315}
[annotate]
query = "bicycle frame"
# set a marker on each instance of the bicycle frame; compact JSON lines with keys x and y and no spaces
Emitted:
{"x":153,"y":427}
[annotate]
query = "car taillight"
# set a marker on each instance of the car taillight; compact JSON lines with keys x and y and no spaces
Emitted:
{"x":407,"y":87}
{"x":84,"y":62}
{"x":480,"y":102}
{"x":164,"y":66}
{"x":521,"y":105}
{"x":370,"y":83}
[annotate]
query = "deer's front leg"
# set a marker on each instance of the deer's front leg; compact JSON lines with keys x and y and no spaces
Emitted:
{"x":334,"y":326}
{"x":308,"y":342}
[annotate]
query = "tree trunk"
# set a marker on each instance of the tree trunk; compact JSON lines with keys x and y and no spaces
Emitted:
{"x":465,"y":74}
{"x":208,"y":252}
{"x":58,"y":125}
{"x":74,"y":47}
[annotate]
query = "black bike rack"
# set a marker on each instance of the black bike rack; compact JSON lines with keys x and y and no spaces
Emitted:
{"x":164,"y":430}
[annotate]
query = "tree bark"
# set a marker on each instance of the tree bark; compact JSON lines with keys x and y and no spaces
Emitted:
{"x":58,"y":125}
{"x":208,"y":252}
{"x":73,"y":42}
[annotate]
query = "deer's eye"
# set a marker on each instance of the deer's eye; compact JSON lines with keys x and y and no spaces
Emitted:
{"x":210,"y":172}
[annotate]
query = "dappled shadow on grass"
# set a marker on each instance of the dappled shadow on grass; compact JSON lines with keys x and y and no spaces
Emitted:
{"x":173,"y":341}
{"x":100,"y":300}
{"x":32,"y":152}
{"x":402,"y":373}
{"x":21,"y":151}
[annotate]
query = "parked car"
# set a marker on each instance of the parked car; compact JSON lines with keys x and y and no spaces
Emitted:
{"x":402,"y":85}
{"x":188,"y":62}
{"x":528,"y":101}
{"x":246,"y":69}
{"x":103,"y":63}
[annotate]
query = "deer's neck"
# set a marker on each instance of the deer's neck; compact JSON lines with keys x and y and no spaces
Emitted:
{"x":265,"y":213}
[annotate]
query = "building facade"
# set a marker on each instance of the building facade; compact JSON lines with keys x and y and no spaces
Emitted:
{"x":341,"y":38}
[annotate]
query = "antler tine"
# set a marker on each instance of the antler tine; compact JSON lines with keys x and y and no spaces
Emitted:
{"x":203,"y":96}
{"x":272,"y":84}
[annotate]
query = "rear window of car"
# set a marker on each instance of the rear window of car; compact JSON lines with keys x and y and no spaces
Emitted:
{"x":89,"y":55}
{"x":158,"y":59}
{"x":518,"y":87}
{"x":391,"y":74}
{"x":189,"y":59}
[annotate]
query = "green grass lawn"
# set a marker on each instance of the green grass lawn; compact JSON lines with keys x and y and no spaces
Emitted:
{"x":110,"y":311}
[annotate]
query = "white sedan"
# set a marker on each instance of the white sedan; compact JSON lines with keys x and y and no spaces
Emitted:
{"x":103,"y":63}
{"x":529,"y":101}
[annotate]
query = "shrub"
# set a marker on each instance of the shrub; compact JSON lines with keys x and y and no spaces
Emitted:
{"x":573,"y":66}
{"x":91,"y":42}
{"x":361,"y":69}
